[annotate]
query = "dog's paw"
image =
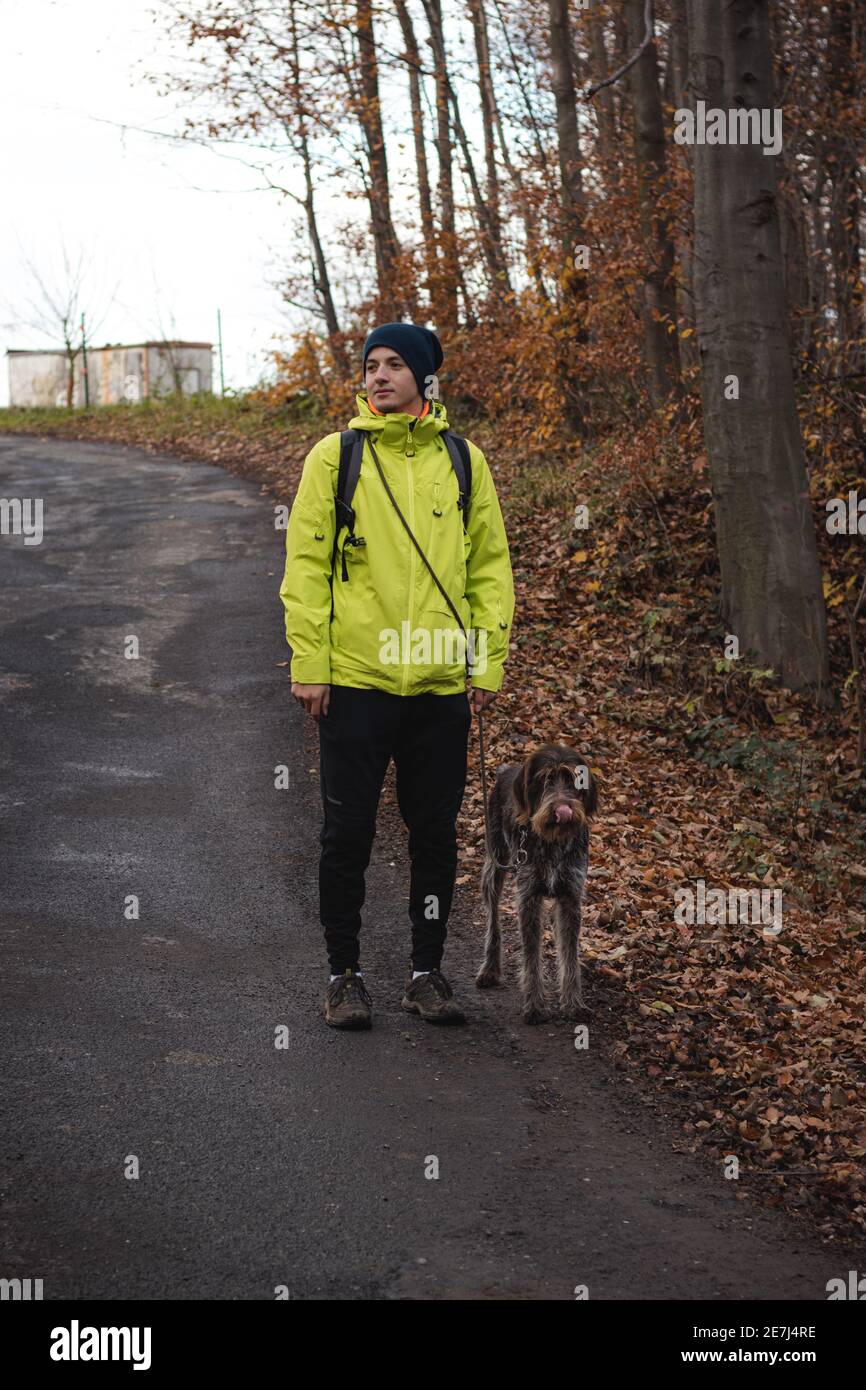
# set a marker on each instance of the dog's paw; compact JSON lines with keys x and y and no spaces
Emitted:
{"x":488,"y":978}
{"x":535,"y":1013}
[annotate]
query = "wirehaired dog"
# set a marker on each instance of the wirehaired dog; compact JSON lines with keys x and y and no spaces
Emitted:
{"x":539,"y":817}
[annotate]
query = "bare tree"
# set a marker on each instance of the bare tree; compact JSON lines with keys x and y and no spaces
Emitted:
{"x":606,"y":114}
{"x":571,"y":200}
{"x":425,"y":202}
{"x":444,"y":290}
{"x":369,"y":110}
{"x":489,"y":239}
{"x":843,"y":157}
{"x":478,"y":15}
{"x":659,"y":307}
{"x":680,"y":98}
{"x":567,"y":132}
{"x":169,"y":346}
{"x":320,"y":275}
{"x":57,"y":304}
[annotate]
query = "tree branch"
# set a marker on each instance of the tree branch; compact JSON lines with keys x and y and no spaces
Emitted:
{"x":647,"y":40}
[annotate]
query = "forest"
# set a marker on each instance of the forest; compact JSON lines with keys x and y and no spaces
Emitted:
{"x":554,"y":186}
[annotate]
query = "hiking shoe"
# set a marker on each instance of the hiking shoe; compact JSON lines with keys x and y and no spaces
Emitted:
{"x":347,"y":1003}
{"x":431,"y":996}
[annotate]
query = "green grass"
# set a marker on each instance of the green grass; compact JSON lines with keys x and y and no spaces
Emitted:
{"x":167,"y":415}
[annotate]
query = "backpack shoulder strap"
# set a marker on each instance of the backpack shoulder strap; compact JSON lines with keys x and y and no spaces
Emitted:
{"x":351,"y":451}
{"x":461,"y":462}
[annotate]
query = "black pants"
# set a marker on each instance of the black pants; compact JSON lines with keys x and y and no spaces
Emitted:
{"x":427,"y":736}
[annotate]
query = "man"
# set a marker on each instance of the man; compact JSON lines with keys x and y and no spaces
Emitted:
{"x":382,"y":674}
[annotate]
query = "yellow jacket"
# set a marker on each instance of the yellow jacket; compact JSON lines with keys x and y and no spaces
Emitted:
{"x":391,"y":628}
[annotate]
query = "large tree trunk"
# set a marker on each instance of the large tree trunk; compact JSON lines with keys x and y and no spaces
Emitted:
{"x":378,"y":192}
{"x":771,"y":578}
{"x":659,"y":300}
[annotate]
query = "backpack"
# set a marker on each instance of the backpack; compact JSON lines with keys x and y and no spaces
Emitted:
{"x":351,"y":451}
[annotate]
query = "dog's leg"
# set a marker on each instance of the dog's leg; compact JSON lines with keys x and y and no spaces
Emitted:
{"x":567,"y":932}
{"x":492,"y":880}
{"x":535,"y":1005}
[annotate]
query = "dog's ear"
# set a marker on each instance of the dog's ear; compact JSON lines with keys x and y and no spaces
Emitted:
{"x":520,"y":792}
{"x":591,"y":797}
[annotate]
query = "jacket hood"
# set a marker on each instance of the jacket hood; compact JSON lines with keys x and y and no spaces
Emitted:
{"x":394,"y":427}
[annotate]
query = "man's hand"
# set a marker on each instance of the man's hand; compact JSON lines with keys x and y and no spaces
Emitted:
{"x":480,"y":699}
{"x":314,"y":698}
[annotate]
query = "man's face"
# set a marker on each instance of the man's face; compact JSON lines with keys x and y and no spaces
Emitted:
{"x":389,"y":382}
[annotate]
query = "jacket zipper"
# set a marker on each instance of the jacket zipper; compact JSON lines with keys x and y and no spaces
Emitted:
{"x":410,"y":442}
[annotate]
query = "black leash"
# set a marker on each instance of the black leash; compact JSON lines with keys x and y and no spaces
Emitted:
{"x":521,"y":851}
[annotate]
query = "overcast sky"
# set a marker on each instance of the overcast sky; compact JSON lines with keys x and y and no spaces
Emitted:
{"x":179,"y":231}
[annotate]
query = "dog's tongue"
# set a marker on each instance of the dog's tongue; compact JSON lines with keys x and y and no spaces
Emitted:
{"x":563,"y":813}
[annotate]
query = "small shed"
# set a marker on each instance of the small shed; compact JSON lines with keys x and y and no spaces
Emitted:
{"x":116,"y":372}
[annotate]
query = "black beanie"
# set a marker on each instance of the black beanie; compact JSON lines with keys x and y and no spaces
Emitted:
{"x":419,"y":347}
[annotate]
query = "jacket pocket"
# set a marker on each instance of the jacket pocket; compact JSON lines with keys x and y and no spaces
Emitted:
{"x":438,"y":639}
{"x":439,"y":607}
{"x":307,"y":554}
{"x":307,"y":527}
{"x":444,"y":495}
{"x":449,"y":541}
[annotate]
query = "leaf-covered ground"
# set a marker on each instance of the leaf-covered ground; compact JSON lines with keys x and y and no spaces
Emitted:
{"x":707,"y":771}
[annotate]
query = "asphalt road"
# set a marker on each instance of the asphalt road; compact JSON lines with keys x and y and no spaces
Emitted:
{"x":259,"y":1167}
